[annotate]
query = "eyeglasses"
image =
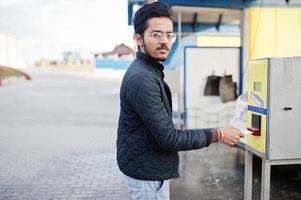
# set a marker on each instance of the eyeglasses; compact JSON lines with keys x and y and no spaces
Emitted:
{"x":159,"y":36}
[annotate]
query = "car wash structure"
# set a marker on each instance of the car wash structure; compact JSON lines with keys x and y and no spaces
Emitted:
{"x":269,"y":68}
{"x":274,"y":107}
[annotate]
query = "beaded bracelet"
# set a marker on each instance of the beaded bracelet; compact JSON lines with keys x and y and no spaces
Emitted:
{"x":220,"y":134}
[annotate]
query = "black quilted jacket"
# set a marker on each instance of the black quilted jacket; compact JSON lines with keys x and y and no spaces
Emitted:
{"x":147,"y":141}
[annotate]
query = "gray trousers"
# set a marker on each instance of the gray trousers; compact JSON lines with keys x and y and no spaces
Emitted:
{"x":147,"y":190}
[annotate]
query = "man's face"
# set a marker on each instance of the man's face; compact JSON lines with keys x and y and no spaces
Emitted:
{"x":158,"y":49}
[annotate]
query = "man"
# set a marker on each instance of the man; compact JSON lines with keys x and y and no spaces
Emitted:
{"x":147,"y":142}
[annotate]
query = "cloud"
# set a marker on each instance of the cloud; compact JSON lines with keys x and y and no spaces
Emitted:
{"x":65,"y":25}
{"x":4,"y":3}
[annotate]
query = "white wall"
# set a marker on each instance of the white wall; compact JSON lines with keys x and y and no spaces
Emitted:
{"x":208,"y":111}
{"x":10,"y":54}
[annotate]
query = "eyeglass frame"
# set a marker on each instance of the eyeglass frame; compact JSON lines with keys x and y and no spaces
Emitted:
{"x":173,"y":39}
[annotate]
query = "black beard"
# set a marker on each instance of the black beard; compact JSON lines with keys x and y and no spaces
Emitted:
{"x":161,"y":60}
{"x":158,"y":59}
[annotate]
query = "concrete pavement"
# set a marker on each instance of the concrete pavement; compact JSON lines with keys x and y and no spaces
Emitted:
{"x":57,"y":141}
{"x":57,"y":138}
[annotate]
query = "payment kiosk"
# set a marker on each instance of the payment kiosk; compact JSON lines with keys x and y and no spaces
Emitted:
{"x":273,"y":117}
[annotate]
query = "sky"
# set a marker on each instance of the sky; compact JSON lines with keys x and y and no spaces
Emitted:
{"x":48,"y":27}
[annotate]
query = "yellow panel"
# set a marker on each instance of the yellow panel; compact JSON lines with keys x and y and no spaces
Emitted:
{"x":275,"y":32}
{"x":262,"y":36}
{"x":288,"y":32}
{"x":257,"y":97}
{"x":258,"y":74}
{"x":218,"y":41}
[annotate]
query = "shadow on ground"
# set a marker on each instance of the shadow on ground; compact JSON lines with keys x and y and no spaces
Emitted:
{"x":217,"y":172}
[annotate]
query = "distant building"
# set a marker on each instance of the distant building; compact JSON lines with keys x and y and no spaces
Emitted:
{"x":71,"y":60}
{"x":10,"y":52}
{"x":120,"y":58}
{"x":71,"y":55}
{"x":120,"y":51}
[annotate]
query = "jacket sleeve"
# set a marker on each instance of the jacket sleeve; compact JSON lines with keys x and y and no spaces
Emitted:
{"x":143,"y":94}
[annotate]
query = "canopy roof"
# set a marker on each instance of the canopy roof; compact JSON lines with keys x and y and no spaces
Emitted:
{"x":233,"y":3}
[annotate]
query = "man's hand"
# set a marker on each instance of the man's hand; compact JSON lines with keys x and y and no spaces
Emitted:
{"x":231,"y":135}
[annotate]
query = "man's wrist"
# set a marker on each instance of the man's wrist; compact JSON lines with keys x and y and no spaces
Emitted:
{"x":221,"y":134}
{"x":217,"y":135}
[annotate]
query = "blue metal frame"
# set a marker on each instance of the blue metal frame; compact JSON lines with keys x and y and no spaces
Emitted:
{"x":184,"y":79}
{"x":206,"y":27}
{"x":238,"y":4}
{"x":131,"y":3}
{"x":233,"y":3}
{"x":241,"y":72}
{"x":259,"y":110}
{"x":130,"y":13}
{"x":206,"y":3}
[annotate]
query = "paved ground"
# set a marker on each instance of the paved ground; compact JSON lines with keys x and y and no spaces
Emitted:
{"x":57,"y":141}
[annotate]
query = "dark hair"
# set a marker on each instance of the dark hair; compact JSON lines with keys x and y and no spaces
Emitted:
{"x":147,"y":11}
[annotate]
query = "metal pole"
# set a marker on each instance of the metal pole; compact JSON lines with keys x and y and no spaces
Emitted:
{"x":248,"y":175}
{"x":265,"y":179}
{"x":245,"y":40}
{"x":180,"y":95}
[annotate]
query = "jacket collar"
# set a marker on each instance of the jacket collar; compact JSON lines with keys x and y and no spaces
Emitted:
{"x":156,"y":65}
